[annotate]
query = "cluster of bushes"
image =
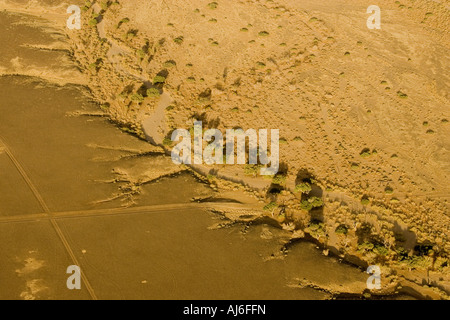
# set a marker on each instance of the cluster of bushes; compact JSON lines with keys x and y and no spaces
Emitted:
{"x":279,"y":179}
{"x":376,"y":248}
{"x":87,"y":6}
{"x":342,"y":229}
{"x":252,"y":169}
{"x":94,"y":19}
{"x":304,"y":188}
{"x":316,"y":229}
{"x":153,"y":93}
{"x":311,"y":203}
{"x":96,"y":16}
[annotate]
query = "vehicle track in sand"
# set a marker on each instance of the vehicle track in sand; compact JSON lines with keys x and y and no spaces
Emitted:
{"x":48,"y":214}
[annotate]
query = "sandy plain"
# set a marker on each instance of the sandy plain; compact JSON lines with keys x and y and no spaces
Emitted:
{"x":363,"y":116}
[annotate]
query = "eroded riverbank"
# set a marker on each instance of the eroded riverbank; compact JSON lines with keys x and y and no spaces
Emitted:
{"x":118,"y":169}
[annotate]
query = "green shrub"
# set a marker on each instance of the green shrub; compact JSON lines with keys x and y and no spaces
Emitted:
{"x":311,"y":203}
{"x":93,"y":22}
{"x":159,"y":79}
{"x":140,"y":53}
{"x":129,"y":35}
{"x":365,"y":201}
{"x":104,"y":5}
{"x":252,"y":169}
{"x":306,"y":205}
{"x":365,"y":153}
{"x":94,"y":67}
{"x":153,"y":92}
{"x":381,"y":250}
{"x":260,"y":64}
{"x":304,"y":187}
{"x":279,"y":179}
{"x":417,"y":262}
{"x":402,"y":95}
{"x":355,"y":166}
{"x":342,"y":229}
{"x":389,"y":190}
{"x":122,"y":95}
{"x":167,"y":141}
{"x":366,"y":246}
{"x":316,"y":228}
{"x":213,"y":5}
{"x":105,"y":107}
{"x":179,"y":40}
{"x":271,"y":206}
{"x":169,"y":64}
{"x":316,"y":202}
{"x":315,"y":225}
{"x":137,"y":97}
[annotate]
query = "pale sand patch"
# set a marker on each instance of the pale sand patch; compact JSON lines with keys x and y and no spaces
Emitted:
{"x":32,"y":286}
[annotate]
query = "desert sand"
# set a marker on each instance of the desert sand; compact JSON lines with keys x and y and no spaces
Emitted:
{"x":362,"y":113}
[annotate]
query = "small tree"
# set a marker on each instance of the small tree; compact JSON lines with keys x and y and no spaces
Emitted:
{"x":159,"y":79}
{"x":304,"y":187}
{"x":153,"y":92}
